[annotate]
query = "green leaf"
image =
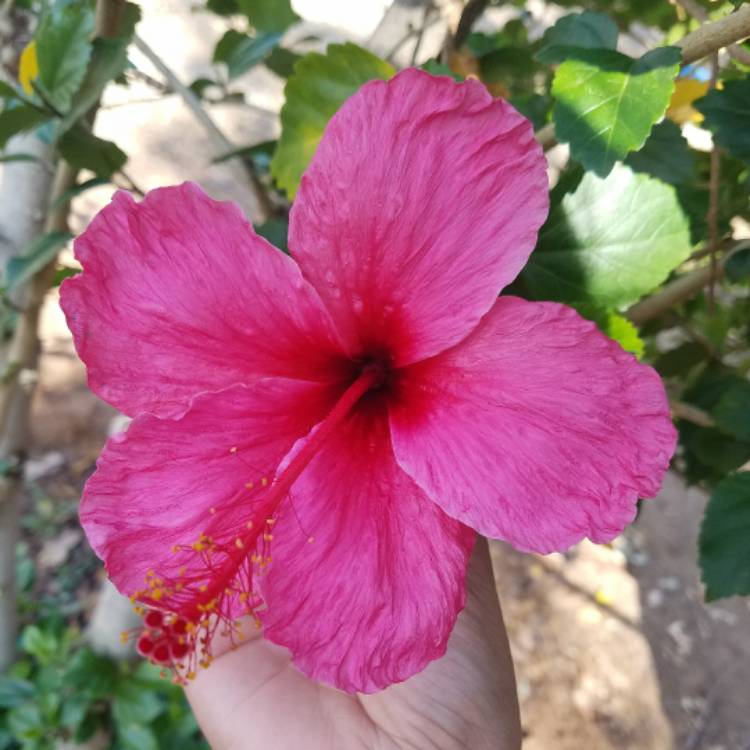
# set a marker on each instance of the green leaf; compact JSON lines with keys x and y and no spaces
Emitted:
{"x":732,"y":411}
{"x":74,"y":710}
{"x":35,"y":256}
{"x":136,"y":737}
{"x":609,"y":242}
{"x":436,"y":68}
{"x":13,"y":691}
{"x":109,"y":58}
{"x":5,"y":158}
{"x":616,"y":327}
{"x":319,"y":86}
{"x":36,"y":642}
{"x":606,"y":103}
{"x":240,"y":52}
{"x":135,"y":704}
{"x":680,"y":360}
{"x":589,"y":30}
{"x":275,"y":231}
{"x":25,"y":721}
{"x":268,"y":15}
{"x":63,"y":50}
{"x":727,"y":114}
{"x":77,"y":189}
{"x":737,"y":266}
{"x":18,"y":120}
{"x":665,"y":155}
{"x":282,"y":61}
{"x":91,"y":672}
{"x":723,"y":544}
{"x":83,"y":150}
{"x":7,"y":91}
{"x":223,"y":7}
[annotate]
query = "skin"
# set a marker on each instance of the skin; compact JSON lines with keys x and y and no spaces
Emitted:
{"x":253,"y":697}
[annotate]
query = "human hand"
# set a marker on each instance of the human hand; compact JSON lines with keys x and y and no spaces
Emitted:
{"x":253,"y":697}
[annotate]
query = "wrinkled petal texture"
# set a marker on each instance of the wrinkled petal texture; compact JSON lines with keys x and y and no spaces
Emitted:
{"x":164,"y":482}
{"x":373,"y":598}
{"x":423,"y":200}
{"x":180,"y":296}
{"x":537,"y":429}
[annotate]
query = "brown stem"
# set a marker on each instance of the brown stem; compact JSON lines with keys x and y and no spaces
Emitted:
{"x":469,"y":16}
{"x":712,"y":216}
{"x":221,"y":143}
{"x":696,"y":11}
{"x":711,"y":37}
{"x":690,"y":413}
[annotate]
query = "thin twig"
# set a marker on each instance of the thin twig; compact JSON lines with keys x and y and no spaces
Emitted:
{"x":222,"y":144}
{"x":690,"y":413}
{"x":712,"y":217}
{"x":469,"y":16}
{"x":420,"y":36}
{"x":692,"y":8}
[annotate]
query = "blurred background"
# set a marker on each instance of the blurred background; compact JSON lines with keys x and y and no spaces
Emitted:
{"x":614,"y":645}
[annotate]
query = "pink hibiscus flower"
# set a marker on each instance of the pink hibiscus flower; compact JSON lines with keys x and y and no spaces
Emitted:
{"x":315,"y":443}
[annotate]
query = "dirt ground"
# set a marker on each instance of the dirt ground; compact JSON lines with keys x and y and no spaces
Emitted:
{"x":613,"y":645}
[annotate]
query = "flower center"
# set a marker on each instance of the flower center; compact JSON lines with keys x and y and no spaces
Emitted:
{"x":183,"y":611}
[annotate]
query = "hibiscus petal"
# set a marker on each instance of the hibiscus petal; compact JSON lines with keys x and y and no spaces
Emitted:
{"x":536,"y":429}
{"x":165,"y":482}
{"x":179,"y":296}
{"x":422,"y":201}
{"x":375,"y":594}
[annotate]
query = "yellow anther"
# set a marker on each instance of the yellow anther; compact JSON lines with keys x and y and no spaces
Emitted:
{"x":243,"y":597}
{"x":268,"y":537}
{"x":157,"y":594}
{"x":175,"y":548}
{"x":270,"y":521}
{"x":190,"y":675}
{"x":150,"y":573}
{"x":239,"y":543}
{"x":182,"y":570}
{"x":198,"y":546}
{"x":264,"y":481}
{"x":190,"y":627}
{"x":249,"y":485}
{"x":124,"y":636}
{"x":203,"y":587}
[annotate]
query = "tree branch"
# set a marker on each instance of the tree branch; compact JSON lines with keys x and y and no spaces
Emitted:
{"x":692,"y":8}
{"x":469,"y":16}
{"x":221,"y":143}
{"x":711,"y":37}
{"x":679,"y":290}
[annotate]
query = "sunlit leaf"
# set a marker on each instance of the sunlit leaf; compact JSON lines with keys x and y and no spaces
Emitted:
{"x":609,"y":242}
{"x":606,"y":103}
